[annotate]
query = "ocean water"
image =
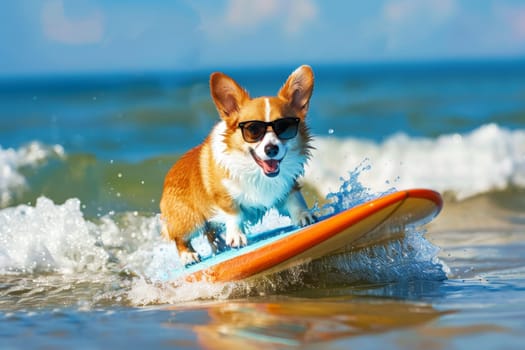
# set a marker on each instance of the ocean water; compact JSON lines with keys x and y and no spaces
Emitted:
{"x":82,"y":162}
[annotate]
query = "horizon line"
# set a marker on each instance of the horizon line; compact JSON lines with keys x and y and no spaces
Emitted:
{"x":450,"y":63}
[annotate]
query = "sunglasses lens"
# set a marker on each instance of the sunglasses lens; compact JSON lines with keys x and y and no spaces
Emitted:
{"x":253,"y":131}
{"x":286,"y":128}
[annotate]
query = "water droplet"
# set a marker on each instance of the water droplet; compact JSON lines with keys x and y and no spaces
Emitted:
{"x":119,"y":175}
{"x":330,"y":131}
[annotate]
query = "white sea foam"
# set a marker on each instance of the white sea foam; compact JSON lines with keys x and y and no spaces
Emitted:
{"x":48,"y":238}
{"x":56,"y":238}
{"x":488,"y":158}
{"x":12,"y":160}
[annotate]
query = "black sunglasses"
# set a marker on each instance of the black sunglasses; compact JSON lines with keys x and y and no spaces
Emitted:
{"x":284,"y":128}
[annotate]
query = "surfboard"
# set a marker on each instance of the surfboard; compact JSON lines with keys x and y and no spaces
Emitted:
{"x":280,"y":249}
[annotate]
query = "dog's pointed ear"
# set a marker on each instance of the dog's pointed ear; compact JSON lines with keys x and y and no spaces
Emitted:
{"x":227,"y":95}
{"x":298,"y":89}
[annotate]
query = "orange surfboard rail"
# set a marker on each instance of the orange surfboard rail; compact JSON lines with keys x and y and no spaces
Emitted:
{"x":403,"y":208}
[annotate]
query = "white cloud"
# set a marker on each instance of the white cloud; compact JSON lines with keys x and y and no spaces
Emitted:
{"x":58,"y":27}
{"x":241,"y":16}
{"x":399,"y":11}
{"x":408,"y":23}
{"x":300,"y":13}
{"x":241,"y":13}
{"x":514,"y":19}
{"x":519,"y":24}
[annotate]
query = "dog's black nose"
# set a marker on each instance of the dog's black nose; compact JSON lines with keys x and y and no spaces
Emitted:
{"x":271,"y":150}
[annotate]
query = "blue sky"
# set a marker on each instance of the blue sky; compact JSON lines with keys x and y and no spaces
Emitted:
{"x":71,"y":36}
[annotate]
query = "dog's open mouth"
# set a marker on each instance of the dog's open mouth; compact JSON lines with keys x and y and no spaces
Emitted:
{"x":270,"y":167}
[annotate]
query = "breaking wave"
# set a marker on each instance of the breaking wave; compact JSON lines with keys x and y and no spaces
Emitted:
{"x":12,"y":182}
{"x":488,"y":158}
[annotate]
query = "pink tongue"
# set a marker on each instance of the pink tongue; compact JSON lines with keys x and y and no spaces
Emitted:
{"x":270,"y":166}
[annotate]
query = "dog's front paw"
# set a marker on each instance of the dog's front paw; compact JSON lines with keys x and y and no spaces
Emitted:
{"x":235,"y":238}
{"x":189,"y":258}
{"x":304,"y":218}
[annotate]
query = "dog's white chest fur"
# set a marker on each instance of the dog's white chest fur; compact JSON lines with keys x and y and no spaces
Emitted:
{"x":248,"y":185}
{"x":245,"y":193}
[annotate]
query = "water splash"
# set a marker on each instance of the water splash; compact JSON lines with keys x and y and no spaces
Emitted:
{"x":49,"y":238}
{"x":351,"y":192}
{"x":409,"y":258}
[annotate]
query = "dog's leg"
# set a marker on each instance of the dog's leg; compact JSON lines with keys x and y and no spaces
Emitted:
{"x":179,"y":234}
{"x":234,"y":236}
{"x":187,"y":255}
{"x":298,"y":210}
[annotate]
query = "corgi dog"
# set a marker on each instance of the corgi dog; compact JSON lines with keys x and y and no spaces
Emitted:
{"x":250,"y":162}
